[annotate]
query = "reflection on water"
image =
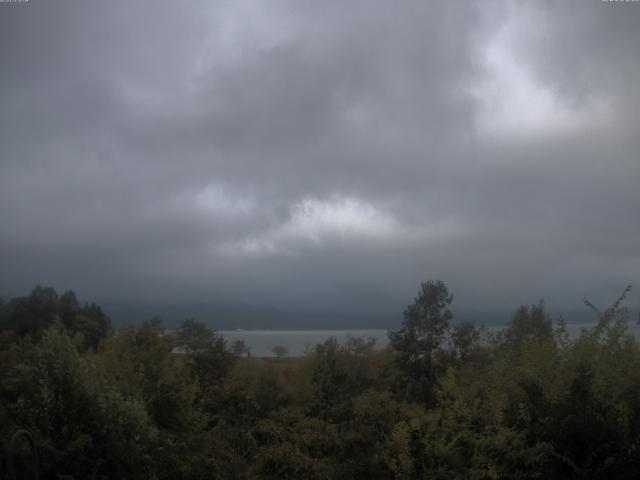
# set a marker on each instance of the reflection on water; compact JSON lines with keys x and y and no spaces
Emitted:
{"x":261,"y":342}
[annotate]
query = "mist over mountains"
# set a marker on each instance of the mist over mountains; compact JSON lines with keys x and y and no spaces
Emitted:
{"x":246,"y":316}
{"x":320,"y":158}
{"x":234,"y":315}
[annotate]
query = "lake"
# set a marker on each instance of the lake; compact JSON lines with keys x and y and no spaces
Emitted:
{"x":261,"y":342}
{"x":295,"y":341}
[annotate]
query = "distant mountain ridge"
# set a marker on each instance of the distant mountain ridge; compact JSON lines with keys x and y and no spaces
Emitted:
{"x":238,"y":315}
{"x":234,"y":315}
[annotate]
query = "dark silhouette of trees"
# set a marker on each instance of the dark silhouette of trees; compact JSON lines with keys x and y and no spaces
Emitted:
{"x":280,"y":351}
{"x":418,"y":344}
{"x":209,"y":356}
{"x":441,"y":401}
{"x":528,"y":324}
{"x":240,"y":348}
{"x":31,"y":316}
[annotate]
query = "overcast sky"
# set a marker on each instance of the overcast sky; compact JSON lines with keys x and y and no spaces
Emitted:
{"x":318,"y":154}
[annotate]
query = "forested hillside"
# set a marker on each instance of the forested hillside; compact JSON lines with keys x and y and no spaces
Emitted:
{"x":445,"y":400}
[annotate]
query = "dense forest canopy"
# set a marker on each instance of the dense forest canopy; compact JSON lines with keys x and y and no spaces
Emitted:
{"x":443,"y":400}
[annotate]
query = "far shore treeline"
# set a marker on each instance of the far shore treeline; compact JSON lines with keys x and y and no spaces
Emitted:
{"x":444,"y":400}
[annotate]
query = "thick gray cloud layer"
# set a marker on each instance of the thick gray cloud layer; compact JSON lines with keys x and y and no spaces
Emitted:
{"x":320,"y":154}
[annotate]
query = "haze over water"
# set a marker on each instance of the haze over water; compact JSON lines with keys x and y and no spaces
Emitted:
{"x":261,"y":342}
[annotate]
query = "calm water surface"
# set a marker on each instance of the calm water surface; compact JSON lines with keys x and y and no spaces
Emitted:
{"x":261,"y":342}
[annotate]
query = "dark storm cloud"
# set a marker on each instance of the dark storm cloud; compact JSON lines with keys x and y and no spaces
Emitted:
{"x":323,"y":155}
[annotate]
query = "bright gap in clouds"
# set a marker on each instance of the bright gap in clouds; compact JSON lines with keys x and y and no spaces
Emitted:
{"x":215,"y":198}
{"x":513,"y":101}
{"x":312,"y":218}
{"x":313,"y":221}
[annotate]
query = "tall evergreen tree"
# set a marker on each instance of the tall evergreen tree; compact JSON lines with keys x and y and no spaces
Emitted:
{"x":418,"y":344}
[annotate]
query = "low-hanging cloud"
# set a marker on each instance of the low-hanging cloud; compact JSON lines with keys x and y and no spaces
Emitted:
{"x":320,"y":155}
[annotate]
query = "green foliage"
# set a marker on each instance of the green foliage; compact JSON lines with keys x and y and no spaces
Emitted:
{"x":140,"y":362}
{"x":31,"y":316}
{"x":239,"y":348}
{"x":83,"y":427}
{"x":340,"y":372}
{"x":441,"y":402}
{"x":295,"y":446}
{"x":528,"y":324}
{"x":419,"y":342}
{"x":208,"y":354}
{"x":466,"y":342}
